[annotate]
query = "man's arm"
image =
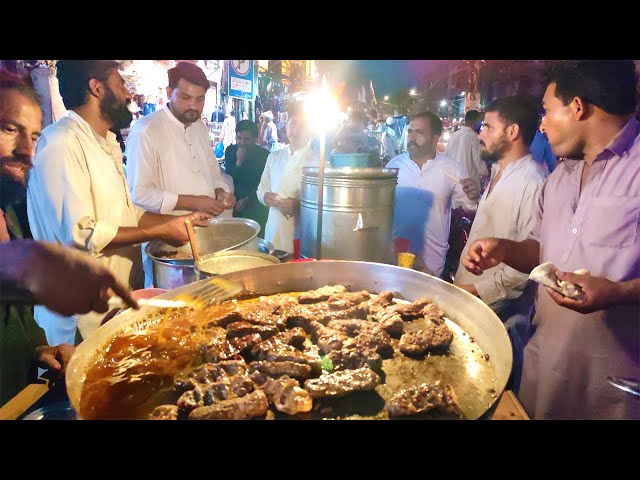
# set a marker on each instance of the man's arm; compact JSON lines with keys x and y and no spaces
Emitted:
{"x":466,"y":192}
{"x":264,"y":187}
{"x":486,"y":253}
{"x":142,"y":168}
{"x":505,"y":277}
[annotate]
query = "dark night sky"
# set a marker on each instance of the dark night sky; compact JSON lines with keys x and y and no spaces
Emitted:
{"x":391,"y":75}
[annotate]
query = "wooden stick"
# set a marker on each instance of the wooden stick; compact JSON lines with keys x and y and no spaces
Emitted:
{"x":192,"y":241}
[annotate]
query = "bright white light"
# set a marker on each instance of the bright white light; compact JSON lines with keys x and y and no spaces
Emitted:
{"x":446,"y":136}
{"x":412,"y":91}
{"x":461,"y":93}
{"x":321,"y":109}
{"x":443,"y":103}
{"x":348,"y":109}
{"x":386,"y":97}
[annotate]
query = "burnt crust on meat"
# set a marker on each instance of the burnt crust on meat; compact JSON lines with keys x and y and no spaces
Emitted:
{"x":355,"y":357}
{"x":240,"y":329}
{"x":435,"y":338}
{"x":321,"y":294}
{"x":164,"y":412}
{"x":254,"y":404}
{"x":277,"y":369}
{"x":287,"y":396}
{"x":427,"y":397}
{"x":340,"y":383}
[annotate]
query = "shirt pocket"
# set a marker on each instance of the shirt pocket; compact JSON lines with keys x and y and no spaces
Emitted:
{"x":612,"y":221}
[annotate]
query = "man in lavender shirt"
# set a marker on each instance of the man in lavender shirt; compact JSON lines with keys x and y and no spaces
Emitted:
{"x":587,"y":218}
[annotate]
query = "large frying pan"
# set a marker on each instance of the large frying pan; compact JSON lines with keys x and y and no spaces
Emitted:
{"x":477,"y":381}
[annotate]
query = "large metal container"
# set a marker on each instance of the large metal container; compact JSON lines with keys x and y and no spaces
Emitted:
{"x":479,"y":322}
{"x":173,"y":273}
{"x":357,"y":214}
{"x":232,"y":261}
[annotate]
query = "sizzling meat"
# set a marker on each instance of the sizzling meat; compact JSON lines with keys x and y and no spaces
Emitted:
{"x":340,"y":383}
{"x":254,"y":404}
{"x":277,"y":369}
{"x":287,"y":396}
{"x":354,"y":358}
{"x":424,"y":398}
{"x":321,"y":294}
{"x":164,"y":412}
{"x":433,"y":338}
{"x":409,"y":311}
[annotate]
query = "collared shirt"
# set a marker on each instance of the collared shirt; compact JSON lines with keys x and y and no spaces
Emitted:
{"x":282,"y":176}
{"x":166,"y":159}
{"x":509,"y":212}
{"x":78,"y":196}
{"x":464,"y":147}
{"x":567,"y":361}
{"x":424,"y":199}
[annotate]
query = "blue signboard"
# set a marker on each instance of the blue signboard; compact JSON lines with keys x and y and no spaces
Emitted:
{"x":241,"y":79}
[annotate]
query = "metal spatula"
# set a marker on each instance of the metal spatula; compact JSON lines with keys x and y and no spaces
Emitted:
{"x":215,"y":290}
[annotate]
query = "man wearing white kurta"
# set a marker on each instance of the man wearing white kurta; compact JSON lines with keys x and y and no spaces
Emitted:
{"x":171,"y":168}
{"x":464,"y":147}
{"x":78,"y":194}
{"x":429,"y":186}
{"x":279,"y":186}
{"x":507,"y":209}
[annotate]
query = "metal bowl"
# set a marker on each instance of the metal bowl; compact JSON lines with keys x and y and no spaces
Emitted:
{"x":233,"y":261}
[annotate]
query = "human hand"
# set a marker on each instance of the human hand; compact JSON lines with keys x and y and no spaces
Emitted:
{"x":174,"y":231}
{"x":55,"y":358}
{"x":271,"y":199}
{"x":241,"y":155}
{"x":598,"y":293}
{"x":288,"y":207}
{"x":226,"y":199}
{"x":471,"y":188}
{"x":206,"y":204}
{"x":484,"y":254}
{"x":66,"y":281}
{"x":241,"y":204}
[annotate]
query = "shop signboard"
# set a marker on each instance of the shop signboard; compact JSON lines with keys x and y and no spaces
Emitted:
{"x":241,"y":79}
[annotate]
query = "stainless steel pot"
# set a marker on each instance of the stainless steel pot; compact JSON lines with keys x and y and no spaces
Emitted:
{"x":171,"y":273}
{"x":480,"y":323}
{"x":232,"y":261}
{"x":357,"y":214}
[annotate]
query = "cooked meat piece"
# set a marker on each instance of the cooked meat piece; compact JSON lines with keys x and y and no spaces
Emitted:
{"x":391,"y":322}
{"x":254,"y":404}
{"x":287,"y":396}
{"x":354,"y":358}
{"x":321,"y":294}
{"x":340,"y":383}
{"x":350,"y":327}
{"x":245,"y":343}
{"x":191,"y":399}
{"x":229,"y":368}
{"x":219,"y":350}
{"x":379,"y":303}
{"x":376,"y":339}
{"x":294,"y":337}
{"x":164,"y":412}
{"x":259,"y":378}
{"x":227,"y":388}
{"x":409,"y":311}
{"x":284,"y":353}
{"x":277,"y":369}
{"x":424,"y":398}
{"x":342,"y":301}
{"x":434,"y":337}
{"x":240,"y":329}
{"x":230,"y":317}
{"x":434,"y":313}
{"x":326,"y":338}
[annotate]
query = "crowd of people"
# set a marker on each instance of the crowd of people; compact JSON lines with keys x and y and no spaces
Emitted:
{"x":579,"y":212}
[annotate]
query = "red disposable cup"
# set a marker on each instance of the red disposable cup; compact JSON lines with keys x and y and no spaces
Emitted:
{"x":296,"y":248}
{"x":401,"y":245}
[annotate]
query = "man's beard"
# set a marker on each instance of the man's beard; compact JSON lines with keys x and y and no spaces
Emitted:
{"x":115,"y":112}
{"x":188,"y":116}
{"x":15,"y":168}
{"x":497,"y":153}
{"x":12,"y":190}
{"x":418,"y":151}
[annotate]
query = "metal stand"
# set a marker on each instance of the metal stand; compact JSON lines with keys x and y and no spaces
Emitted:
{"x":320,"y":199}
